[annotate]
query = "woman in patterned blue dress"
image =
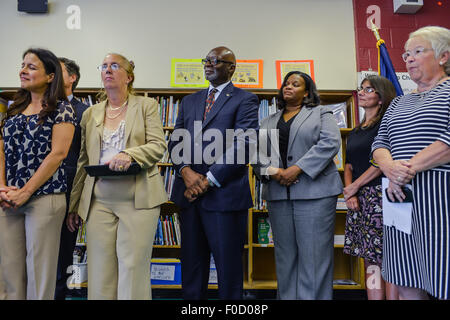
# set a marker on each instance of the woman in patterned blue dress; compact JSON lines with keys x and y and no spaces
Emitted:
{"x":413,"y":146}
{"x":33,"y":146}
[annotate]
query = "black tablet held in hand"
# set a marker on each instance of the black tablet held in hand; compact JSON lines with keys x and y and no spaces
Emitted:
{"x":103,"y":170}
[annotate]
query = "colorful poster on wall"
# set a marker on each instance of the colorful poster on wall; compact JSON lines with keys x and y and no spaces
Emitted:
{"x":248,"y":74}
{"x":188,"y":73}
{"x":283,"y":67}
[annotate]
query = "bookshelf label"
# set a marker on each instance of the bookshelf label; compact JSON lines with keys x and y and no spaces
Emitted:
{"x":163,"y":272}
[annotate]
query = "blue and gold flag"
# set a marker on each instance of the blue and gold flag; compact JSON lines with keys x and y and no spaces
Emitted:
{"x":385,"y":67}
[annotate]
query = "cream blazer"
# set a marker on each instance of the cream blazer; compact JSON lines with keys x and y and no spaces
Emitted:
{"x":145,"y":143}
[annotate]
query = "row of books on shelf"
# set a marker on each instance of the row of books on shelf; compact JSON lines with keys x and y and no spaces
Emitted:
{"x":168,"y":176}
{"x":81,"y":235}
{"x":166,"y":157}
{"x":168,"y":232}
{"x":168,"y":110}
{"x":79,"y":254}
{"x":341,"y":205}
{"x":259,"y":203}
{"x":88,"y":100}
{"x":269,"y":107}
{"x":266,"y":108}
{"x":265,"y":236}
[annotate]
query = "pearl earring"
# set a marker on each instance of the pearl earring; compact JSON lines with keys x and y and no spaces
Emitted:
{"x":441,"y":63}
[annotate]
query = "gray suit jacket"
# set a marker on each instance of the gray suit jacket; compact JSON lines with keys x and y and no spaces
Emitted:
{"x":314,"y":140}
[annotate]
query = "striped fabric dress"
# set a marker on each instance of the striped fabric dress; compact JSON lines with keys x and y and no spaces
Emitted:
{"x":422,"y":259}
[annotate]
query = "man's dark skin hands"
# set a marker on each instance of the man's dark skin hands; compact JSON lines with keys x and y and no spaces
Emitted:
{"x":196,"y":183}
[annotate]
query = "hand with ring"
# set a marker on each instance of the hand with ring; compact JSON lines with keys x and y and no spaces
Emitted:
{"x":120,"y":162}
{"x":394,"y":191}
{"x":400,"y":172}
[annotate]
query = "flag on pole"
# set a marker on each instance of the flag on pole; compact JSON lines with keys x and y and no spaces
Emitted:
{"x":385,"y":67}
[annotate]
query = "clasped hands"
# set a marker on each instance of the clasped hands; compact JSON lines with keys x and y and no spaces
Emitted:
{"x":399,"y":173}
{"x":351,"y":200}
{"x":13,"y":197}
{"x":196,"y":183}
{"x":285,"y":177}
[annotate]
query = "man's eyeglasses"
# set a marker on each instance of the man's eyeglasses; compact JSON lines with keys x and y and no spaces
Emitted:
{"x":114,"y":67}
{"x":414,"y":53}
{"x":214,"y":61}
{"x":366,"y":89}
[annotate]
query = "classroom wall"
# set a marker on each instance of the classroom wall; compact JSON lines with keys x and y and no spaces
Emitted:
{"x":153,"y":32}
{"x":394,"y":28}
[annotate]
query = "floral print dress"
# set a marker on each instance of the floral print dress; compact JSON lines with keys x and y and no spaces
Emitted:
{"x":26,"y":144}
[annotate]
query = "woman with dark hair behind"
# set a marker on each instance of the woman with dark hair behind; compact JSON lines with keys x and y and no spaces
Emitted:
{"x":301,"y":185}
{"x":364,"y":225}
{"x":33,"y":146}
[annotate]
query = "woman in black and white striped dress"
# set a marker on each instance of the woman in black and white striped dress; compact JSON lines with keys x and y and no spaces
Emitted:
{"x":413,"y":146}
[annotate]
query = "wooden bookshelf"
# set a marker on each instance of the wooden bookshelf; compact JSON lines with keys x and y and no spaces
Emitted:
{"x":259,"y":261}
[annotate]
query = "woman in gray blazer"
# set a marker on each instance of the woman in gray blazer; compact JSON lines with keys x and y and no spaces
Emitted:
{"x":301,"y":185}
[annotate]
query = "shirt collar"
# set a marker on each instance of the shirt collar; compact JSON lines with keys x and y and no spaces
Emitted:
{"x":219,"y":87}
{"x":70,"y":97}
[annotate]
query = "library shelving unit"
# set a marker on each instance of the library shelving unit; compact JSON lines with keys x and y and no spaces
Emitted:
{"x":259,"y":260}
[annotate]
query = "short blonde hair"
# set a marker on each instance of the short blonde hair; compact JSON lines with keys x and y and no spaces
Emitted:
{"x":439,"y":38}
{"x":128,"y":65}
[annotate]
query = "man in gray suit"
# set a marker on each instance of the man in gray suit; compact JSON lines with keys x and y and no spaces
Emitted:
{"x":301,"y":185}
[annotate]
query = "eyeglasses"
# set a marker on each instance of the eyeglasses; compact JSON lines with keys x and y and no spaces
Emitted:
{"x":214,"y":61}
{"x":366,"y":89}
{"x":414,"y":53}
{"x":114,"y":67}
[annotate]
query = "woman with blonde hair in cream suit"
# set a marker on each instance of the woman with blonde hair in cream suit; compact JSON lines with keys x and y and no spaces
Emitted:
{"x":301,"y":185}
{"x":121,"y":212}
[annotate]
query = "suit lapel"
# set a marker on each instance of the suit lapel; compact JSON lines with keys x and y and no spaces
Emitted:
{"x":200,"y":105}
{"x":273,"y":122}
{"x":274,"y":143}
{"x":98,"y":114}
{"x":226,"y":94}
{"x":299,"y":119}
{"x":130,"y":116}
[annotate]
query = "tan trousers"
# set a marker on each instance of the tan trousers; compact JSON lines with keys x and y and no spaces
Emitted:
{"x":119,"y":242}
{"x":29,"y":246}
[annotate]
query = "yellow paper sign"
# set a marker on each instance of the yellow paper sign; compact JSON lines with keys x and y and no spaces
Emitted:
{"x":248,"y":74}
{"x":283,"y":67}
{"x":188,"y":73}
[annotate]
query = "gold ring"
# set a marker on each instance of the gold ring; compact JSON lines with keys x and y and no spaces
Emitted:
{"x":120,"y":168}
